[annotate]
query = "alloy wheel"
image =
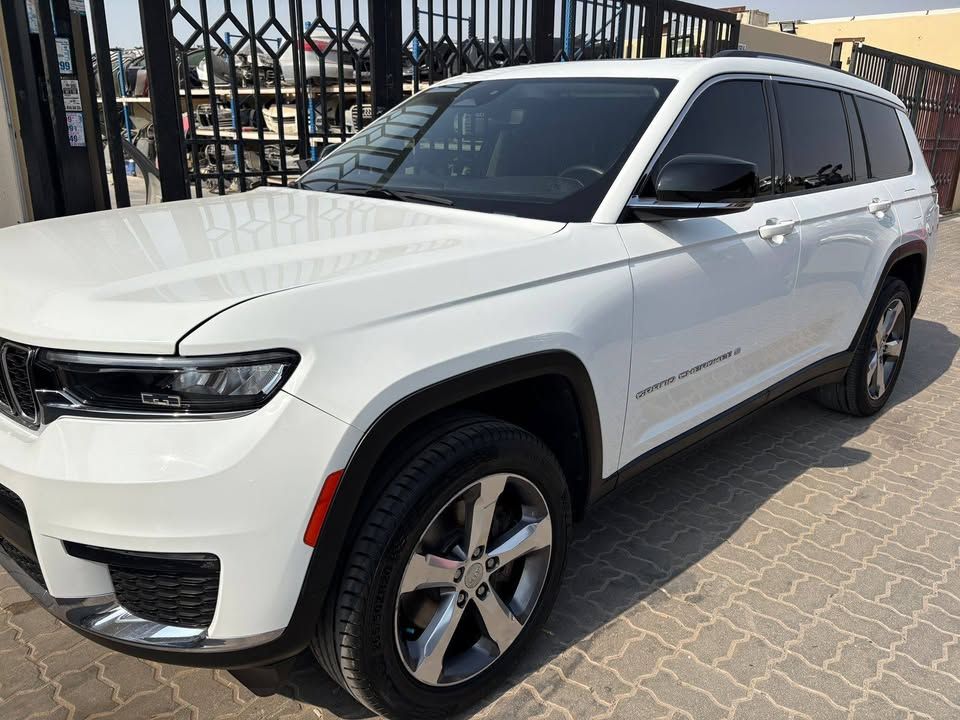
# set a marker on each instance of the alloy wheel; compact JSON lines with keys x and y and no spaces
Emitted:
{"x":473,"y":580}
{"x":886,"y":349}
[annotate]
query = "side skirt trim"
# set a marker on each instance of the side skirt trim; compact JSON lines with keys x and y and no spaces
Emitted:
{"x":826,"y":371}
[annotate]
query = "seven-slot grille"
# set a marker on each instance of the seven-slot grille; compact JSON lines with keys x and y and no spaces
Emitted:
{"x":17,"y":397}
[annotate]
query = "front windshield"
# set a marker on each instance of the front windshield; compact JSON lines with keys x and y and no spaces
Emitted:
{"x":538,"y":148}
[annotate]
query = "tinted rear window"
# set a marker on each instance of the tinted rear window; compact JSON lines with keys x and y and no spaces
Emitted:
{"x":886,"y":146}
{"x":815,"y":138}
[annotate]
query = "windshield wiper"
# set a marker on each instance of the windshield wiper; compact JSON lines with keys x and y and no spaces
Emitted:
{"x":401,"y":195}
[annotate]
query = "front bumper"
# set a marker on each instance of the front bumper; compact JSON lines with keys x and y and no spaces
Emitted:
{"x":102,"y":617}
{"x":241,"y":489}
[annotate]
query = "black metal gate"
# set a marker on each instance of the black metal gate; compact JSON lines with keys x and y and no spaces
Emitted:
{"x":248,"y":92}
{"x":643,"y":29}
{"x":932,"y":96}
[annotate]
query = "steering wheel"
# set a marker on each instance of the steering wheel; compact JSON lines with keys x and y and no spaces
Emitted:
{"x":572,"y":171}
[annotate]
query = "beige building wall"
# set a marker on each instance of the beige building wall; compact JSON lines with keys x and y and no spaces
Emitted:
{"x":932,"y":35}
{"x":772,"y":41}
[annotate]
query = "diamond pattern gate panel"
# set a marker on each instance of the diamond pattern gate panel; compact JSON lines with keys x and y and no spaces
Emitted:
{"x":931,"y":94}
{"x":449,"y":37}
{"x":266,"y":85}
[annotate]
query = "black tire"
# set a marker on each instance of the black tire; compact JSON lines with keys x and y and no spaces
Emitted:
{"x":357,"y":641}
{"x":851,"y":396}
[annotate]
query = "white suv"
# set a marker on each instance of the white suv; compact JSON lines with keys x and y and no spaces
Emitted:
{"x":361,"y":414}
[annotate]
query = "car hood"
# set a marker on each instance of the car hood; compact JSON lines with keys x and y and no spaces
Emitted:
{"x":137,"y":280}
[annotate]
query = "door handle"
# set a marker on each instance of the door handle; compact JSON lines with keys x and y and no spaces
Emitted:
{"x":878,"y":207}
{"x":775,"y":231}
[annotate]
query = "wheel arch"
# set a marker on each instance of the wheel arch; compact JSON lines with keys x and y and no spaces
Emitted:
{"x":907,"y":262}
{"x":557,"y":379}
{"x":441,"y":401}
{"x":911,"y":269}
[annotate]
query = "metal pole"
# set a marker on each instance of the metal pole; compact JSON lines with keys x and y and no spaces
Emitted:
{"x":542,"y":30}
{"x":122,"y":75}
{"x":568,"y":9}
{"x":653,"y":30}
{"x":386,"y":55}
{"x":108,"y":96}
{"x":416,"y":49}
{"x":233,"y":109}
{"x":164,"y":98}
{"x":87,"y":84}
{"x":621,"y":49}
{"x":51,"y":66}
{"x":734,"y":35}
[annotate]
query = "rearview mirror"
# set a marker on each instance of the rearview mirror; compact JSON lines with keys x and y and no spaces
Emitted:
{"x":691,"y":186}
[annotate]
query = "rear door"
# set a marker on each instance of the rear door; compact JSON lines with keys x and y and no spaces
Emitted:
{"x":848,"y":220}
{"x":712,"y":296}
{"x":889,"y":159}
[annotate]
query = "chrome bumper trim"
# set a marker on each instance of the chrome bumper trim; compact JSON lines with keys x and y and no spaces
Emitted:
{"x":102,"y":616}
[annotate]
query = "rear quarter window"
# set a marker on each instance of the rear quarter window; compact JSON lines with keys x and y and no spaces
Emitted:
{"x":887,"y":149}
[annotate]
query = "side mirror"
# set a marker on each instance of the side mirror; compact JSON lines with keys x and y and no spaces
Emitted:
{"x":692,"y":186}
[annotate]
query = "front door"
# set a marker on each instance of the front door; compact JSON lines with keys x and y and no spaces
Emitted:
{"x":713,"y":297}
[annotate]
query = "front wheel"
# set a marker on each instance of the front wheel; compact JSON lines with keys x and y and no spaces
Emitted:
{"x":454,"y":570}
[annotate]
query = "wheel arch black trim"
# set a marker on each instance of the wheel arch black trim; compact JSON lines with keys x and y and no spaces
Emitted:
{"x":901,"y":252}
{"x":449,"y":392}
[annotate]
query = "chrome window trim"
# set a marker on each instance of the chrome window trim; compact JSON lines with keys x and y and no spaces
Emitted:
{"x":645,"y":203}
{"x":834,"y":86}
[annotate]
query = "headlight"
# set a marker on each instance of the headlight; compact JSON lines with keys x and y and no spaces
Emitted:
{"x":73,"y":383}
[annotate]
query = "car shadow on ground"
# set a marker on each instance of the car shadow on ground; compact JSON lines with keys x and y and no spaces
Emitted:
{"x":647,"y":533}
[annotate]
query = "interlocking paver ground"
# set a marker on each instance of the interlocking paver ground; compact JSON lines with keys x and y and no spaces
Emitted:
{"x":802,"y":565}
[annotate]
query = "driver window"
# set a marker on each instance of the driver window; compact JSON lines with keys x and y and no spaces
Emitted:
{"x":729,"y":118}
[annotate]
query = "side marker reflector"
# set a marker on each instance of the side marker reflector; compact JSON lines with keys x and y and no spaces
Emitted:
{"x":329,"y":489}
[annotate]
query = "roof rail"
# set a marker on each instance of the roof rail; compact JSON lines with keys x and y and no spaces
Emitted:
{"x":772,"y":56}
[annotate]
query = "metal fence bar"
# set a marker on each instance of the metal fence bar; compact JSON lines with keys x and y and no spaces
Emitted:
{"x":386,"y":75}
{"x":111,"y":120}
{"x":164,"y":98}
{"x":542,"y":30}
